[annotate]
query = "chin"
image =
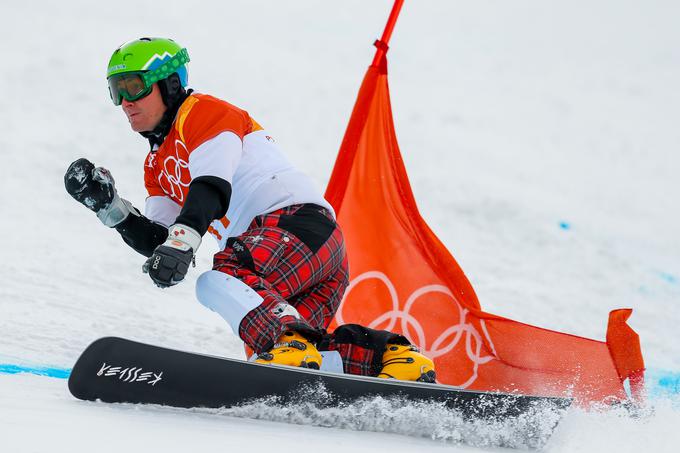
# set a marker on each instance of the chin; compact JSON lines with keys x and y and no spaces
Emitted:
{"x":139,"y":127}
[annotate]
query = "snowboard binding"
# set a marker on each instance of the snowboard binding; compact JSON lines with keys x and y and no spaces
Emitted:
{"x":406,"y":363}
{"x":292,"y":349}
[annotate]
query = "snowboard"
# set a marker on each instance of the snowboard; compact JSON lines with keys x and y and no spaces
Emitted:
{"x":116,"y":370}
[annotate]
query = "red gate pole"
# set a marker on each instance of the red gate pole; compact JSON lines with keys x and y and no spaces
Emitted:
{"x":382,"y":43}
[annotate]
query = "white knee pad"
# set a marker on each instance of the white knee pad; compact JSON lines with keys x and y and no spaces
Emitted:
{"x":227,"y":296}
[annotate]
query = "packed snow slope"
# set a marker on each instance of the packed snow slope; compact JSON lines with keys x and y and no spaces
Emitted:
{"x":541,"y":139}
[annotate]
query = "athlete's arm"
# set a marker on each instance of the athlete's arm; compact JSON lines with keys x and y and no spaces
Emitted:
{"x":212,"y":165}
{"x":142,"y":234}
{"x":207,"y":200}
{"x":95,"y":188}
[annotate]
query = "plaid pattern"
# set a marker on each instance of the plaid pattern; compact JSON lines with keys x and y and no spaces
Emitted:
{"x":283,"y":270}
{"x":357,"y":359}
{"x":361,"y":348}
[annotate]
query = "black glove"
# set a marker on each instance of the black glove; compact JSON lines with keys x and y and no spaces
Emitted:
{"x":89,"y":185}
{"x":170,"y":261}
{"x":96,"y":189}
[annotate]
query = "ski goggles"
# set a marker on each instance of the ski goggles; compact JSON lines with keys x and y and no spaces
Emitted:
{"x":138,"y":84}
{"x":130,"y":86}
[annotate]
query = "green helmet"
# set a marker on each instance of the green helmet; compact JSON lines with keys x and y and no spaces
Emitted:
{"x":152,"y":60}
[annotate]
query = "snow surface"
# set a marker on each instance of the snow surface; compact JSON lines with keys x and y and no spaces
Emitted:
{"x":541,"y":139}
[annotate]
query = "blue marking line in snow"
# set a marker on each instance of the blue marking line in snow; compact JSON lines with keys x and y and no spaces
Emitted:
{"x":659,"y":383}
{"x":61,"y":373}
{"x":565,"y":225}
{"x":662,"y":383}
{"x":670,"y":278}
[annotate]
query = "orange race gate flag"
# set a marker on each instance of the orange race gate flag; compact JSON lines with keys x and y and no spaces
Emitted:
{"x":403,"y":279}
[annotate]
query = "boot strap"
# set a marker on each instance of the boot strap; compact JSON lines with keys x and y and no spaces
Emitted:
{"x":291,"y":344}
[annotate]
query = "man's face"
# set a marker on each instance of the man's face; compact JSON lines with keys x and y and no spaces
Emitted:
{"x":145,"y":114}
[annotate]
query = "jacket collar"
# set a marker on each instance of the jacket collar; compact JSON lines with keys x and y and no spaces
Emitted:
{"x":157,"y":136}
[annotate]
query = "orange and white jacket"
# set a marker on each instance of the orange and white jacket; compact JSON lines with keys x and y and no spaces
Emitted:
{"x":211,"y":137}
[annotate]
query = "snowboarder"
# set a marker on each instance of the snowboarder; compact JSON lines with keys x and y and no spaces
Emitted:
{"x":282,"y":269}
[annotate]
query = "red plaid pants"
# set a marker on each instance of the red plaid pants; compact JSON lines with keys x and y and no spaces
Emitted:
{"x":294,"y":256}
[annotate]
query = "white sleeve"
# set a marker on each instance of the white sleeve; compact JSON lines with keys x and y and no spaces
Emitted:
{"x":161,"y":210}
{"x":218,"y":156}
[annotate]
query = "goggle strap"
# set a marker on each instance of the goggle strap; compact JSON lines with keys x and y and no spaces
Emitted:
{"x":163,"y":71}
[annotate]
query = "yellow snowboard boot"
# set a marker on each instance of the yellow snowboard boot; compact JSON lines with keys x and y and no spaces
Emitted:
{"x":406,"y":363}
{"x":292,"y":349}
